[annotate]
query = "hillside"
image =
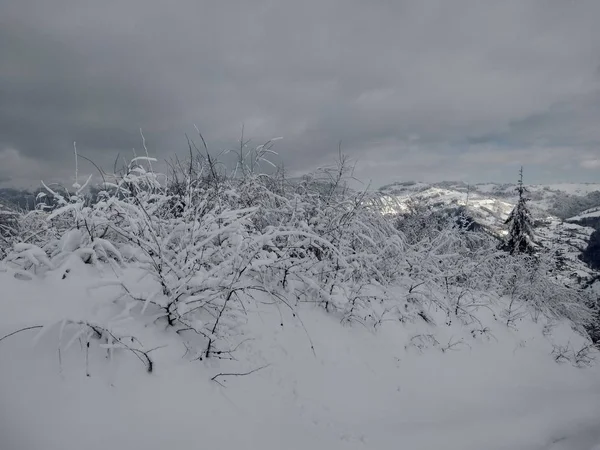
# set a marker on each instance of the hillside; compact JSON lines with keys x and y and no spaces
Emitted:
{"x":587,"y":214}
{"x":561,"y":200}
{"x":490,"y":204}
{"x":225,"y":312}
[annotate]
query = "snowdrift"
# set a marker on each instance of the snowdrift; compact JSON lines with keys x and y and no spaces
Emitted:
{"x":315,"y":383}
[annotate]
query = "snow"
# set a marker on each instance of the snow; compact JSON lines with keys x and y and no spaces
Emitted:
{"x":490,"y":204}
{"x":594,"y":212}
{"x":489,"y":211}
{"x":579,"y":189}
{"x":241,"y":314}
{"x":359,"y":389}
{"x":544,"y":196}
{"x":573,"y":188}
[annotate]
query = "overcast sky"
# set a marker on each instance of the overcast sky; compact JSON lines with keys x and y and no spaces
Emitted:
{"x":425,"y":90}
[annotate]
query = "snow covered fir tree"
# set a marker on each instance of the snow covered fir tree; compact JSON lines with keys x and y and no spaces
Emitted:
{"x":520,"y":237}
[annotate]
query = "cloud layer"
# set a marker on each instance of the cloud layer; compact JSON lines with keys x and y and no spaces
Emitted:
{"x":415,"y":90}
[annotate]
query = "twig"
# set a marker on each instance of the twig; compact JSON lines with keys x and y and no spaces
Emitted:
{"x":236,"y":374}
{"x":22,"y":329}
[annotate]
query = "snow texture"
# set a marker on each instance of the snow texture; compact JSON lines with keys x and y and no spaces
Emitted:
{"x":393,"y":388}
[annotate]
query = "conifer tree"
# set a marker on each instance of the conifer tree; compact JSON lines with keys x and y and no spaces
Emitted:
{"x":520,"y":237}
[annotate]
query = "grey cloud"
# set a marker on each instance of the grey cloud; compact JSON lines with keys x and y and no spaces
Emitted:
{"x":409,"y":87}
{"x":572,"y":123}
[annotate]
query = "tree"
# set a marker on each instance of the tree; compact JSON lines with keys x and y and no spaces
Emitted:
{"x":520,"y":237}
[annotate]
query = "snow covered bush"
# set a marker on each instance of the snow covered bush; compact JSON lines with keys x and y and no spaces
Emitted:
{"x":9,"y":227}
{"x":534,"y":287}
{"x":195,"y":249}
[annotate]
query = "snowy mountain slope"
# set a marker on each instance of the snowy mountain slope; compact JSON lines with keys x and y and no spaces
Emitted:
{"x":562,"y":199}
{"x":588,"y":213}
{"x":408,"y":385}
{"x":588,"y":218}
{"x":486,"y":210}
{"x":553,"y":198}
{"x":490,"y":204}
{"x":576,"y":189}
{"x":570,"y":240}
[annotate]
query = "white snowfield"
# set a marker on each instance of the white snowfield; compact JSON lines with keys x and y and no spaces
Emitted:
{"x":403,"y":386}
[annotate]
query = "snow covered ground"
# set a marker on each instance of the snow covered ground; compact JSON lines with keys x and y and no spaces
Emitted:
{"x":317,"y":384}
